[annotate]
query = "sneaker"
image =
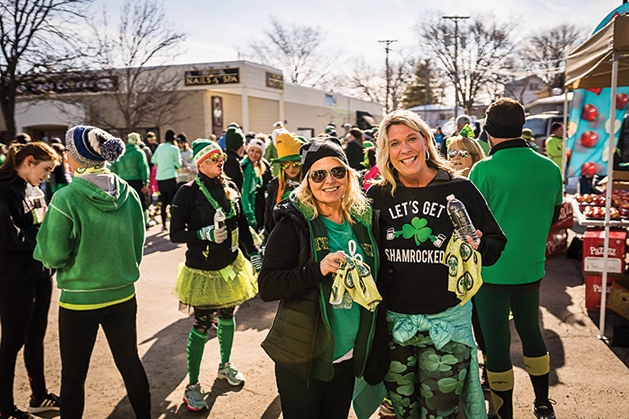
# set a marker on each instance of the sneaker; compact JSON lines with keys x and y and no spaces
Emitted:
{"x":386,"y":409}
{"x":17,"y":414}
{"x":48,"y":402}
{"x":193,"y":397}
{"x":544,"y":411}
{"x":230,"y":373}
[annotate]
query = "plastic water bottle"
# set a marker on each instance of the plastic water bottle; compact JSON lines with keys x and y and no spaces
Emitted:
{"x":461,"y":220}
{"x":219,"y":219}
{"x":39,"y":202}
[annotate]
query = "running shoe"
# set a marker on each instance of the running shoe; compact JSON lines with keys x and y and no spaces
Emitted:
{"x":544,"y":410}
{"x":230,"y":373}
{"x":48,"y":402}
{"x":17,"y":414}
{"x":194,"y":398}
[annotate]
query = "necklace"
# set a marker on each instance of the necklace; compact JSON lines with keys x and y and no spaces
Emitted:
{"x":210,"y":198}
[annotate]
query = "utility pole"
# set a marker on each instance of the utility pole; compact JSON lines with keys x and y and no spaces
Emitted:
{"x":456,"y":19}
{"x":388,"y":70}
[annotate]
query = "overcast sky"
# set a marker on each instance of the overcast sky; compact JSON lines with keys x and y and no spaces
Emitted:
{"x":216,"y":29}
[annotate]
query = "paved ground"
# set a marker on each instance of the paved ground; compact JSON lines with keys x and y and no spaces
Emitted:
{"x":589,"y":379}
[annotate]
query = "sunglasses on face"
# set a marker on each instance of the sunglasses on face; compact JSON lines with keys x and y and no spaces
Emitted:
{"x":462,"y":153}
{"x":216,"y":157}
{"x":287,"y":164}
{"x":319,"y":176}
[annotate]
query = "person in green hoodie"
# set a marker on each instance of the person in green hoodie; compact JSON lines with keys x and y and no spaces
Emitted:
{"x":133,"y":167}
{"x":96,"y":279}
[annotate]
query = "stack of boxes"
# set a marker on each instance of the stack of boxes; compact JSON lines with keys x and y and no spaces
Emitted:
{"x":593,"y":246}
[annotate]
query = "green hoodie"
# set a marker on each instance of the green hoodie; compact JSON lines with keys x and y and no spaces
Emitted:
{"x":132,"y":165}
{"x":95,"y":241}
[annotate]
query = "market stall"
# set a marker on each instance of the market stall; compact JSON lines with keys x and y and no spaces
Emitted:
{"x":603,"y":61}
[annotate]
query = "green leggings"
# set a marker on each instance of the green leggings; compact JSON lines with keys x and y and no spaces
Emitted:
{"x":493,"y":312}
{"x":424,"y":382}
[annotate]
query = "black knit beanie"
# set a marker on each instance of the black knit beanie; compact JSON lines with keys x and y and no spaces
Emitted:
{"x":318,"y":148}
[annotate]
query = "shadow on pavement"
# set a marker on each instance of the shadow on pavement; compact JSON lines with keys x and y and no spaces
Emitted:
{"x":158,"y":241}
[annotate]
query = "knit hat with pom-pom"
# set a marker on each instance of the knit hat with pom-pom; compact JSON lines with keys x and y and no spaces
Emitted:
{"x":92,"y":147}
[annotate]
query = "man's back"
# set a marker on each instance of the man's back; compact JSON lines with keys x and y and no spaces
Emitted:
{"x":522,"y":189}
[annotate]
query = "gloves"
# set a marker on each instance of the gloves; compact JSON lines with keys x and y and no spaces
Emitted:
{"x":256,"y":261}
{"x":212,"y":234}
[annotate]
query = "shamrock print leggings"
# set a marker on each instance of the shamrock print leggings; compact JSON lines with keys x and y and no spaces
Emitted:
{"x":424,"y":382}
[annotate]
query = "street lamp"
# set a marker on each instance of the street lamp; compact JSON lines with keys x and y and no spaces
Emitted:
{"x":456,"y":19}
{"x":388,"y":70}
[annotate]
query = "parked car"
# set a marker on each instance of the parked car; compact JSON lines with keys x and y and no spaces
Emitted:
{"x":540,"y":125}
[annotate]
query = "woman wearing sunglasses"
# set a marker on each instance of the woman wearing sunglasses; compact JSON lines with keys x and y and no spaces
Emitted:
{"x":215,"y":276}
{"x":463,"y":152}
{"x":433,"y":360}
{"x":280,"y":187}
{"x":319,"y":346}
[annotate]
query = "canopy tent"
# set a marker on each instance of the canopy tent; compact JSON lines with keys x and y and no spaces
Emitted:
{"x":603,"y":61}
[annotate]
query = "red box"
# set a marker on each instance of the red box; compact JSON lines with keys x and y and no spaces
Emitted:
{"x":557,"y":242}
{"x":566,"y":219}
{"x":593,"y":290}
{"x":593,"y":251}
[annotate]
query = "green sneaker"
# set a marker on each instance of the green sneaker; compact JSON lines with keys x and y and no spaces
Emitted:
{"x":194,"y":398}
{"x":230,"y":373}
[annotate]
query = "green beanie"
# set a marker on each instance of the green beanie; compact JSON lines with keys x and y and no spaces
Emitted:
{"x":234,"y":138}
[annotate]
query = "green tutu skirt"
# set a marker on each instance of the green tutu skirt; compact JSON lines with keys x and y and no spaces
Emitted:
{"x":228,"y":287}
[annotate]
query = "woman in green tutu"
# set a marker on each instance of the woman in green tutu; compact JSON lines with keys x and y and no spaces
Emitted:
{"x":216,"y":277}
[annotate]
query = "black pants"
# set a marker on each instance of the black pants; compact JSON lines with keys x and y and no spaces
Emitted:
{"x":77,"y":335}
{"x":144,"y":199}
{"x":24,"y":316}
{"x":167,"y":189}
{"x":317,"y":399}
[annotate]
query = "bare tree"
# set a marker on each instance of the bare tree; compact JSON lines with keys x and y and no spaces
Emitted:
{"x":299,"y":51}
{"x":145,"y":92}
{"x":427,"y":87}
{"x":484,"y":47}
{"x":370,"y":83}
{"x":35,"y":36}
{"x":544,"y":54}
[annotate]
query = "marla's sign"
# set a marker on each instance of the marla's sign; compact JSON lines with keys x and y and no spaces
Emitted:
{"x":213,"y":76}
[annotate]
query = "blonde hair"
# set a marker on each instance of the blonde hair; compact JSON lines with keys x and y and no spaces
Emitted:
{"x":417,"y":124}
{"x":470,"y":145}
{"x":353,"y":202}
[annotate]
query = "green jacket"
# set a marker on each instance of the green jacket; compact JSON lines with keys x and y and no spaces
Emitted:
{"x":132,"y":165}
{"x":95,"y":241}
{"x":250,"y":185}
{"x":301,"y":338}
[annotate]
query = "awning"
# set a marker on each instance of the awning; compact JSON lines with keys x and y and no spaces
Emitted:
{"x":590,"y":65}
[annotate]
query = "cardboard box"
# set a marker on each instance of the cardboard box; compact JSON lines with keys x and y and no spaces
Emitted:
{"x":619,"y":297}
{"x":620,"y":180}
{"x":593,"y":241}
{"x":557,"y":242}
{"x":593,"y":287}
{"x":566,"y":219}
{"x":620,"y":175}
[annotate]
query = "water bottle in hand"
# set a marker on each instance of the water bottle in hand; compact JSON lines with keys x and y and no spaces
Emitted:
{"x":461,"y":220}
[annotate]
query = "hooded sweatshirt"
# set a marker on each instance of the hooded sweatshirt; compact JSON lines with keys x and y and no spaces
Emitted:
{"x":95,"y":239}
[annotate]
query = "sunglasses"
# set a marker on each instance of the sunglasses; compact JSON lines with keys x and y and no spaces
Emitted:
{"x":319,"y":176}
{"x":216,"y":157}
{"x":287,"y":164}
{"x":462,"y":153}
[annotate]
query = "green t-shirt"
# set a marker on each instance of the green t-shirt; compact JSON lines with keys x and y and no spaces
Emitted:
{"x":522,"y":189}
{"x":345,"y":323}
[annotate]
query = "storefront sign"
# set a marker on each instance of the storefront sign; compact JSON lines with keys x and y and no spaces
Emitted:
{"x":275,"y":81}
{"x":213,"y":76}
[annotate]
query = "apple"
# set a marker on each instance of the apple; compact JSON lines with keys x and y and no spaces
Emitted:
{"x":621,"y":101}
{"x":589,"y":139}
{"x":588,"y":169}
{"x":589,"y":112}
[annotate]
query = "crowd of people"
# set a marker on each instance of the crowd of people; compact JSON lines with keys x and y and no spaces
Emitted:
{"x":383,"y":297}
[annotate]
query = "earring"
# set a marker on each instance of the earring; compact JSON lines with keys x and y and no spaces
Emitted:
{"x":427,"y":155}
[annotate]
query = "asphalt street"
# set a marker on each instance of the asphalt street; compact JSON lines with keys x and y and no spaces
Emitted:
{"x":589,"y":379}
